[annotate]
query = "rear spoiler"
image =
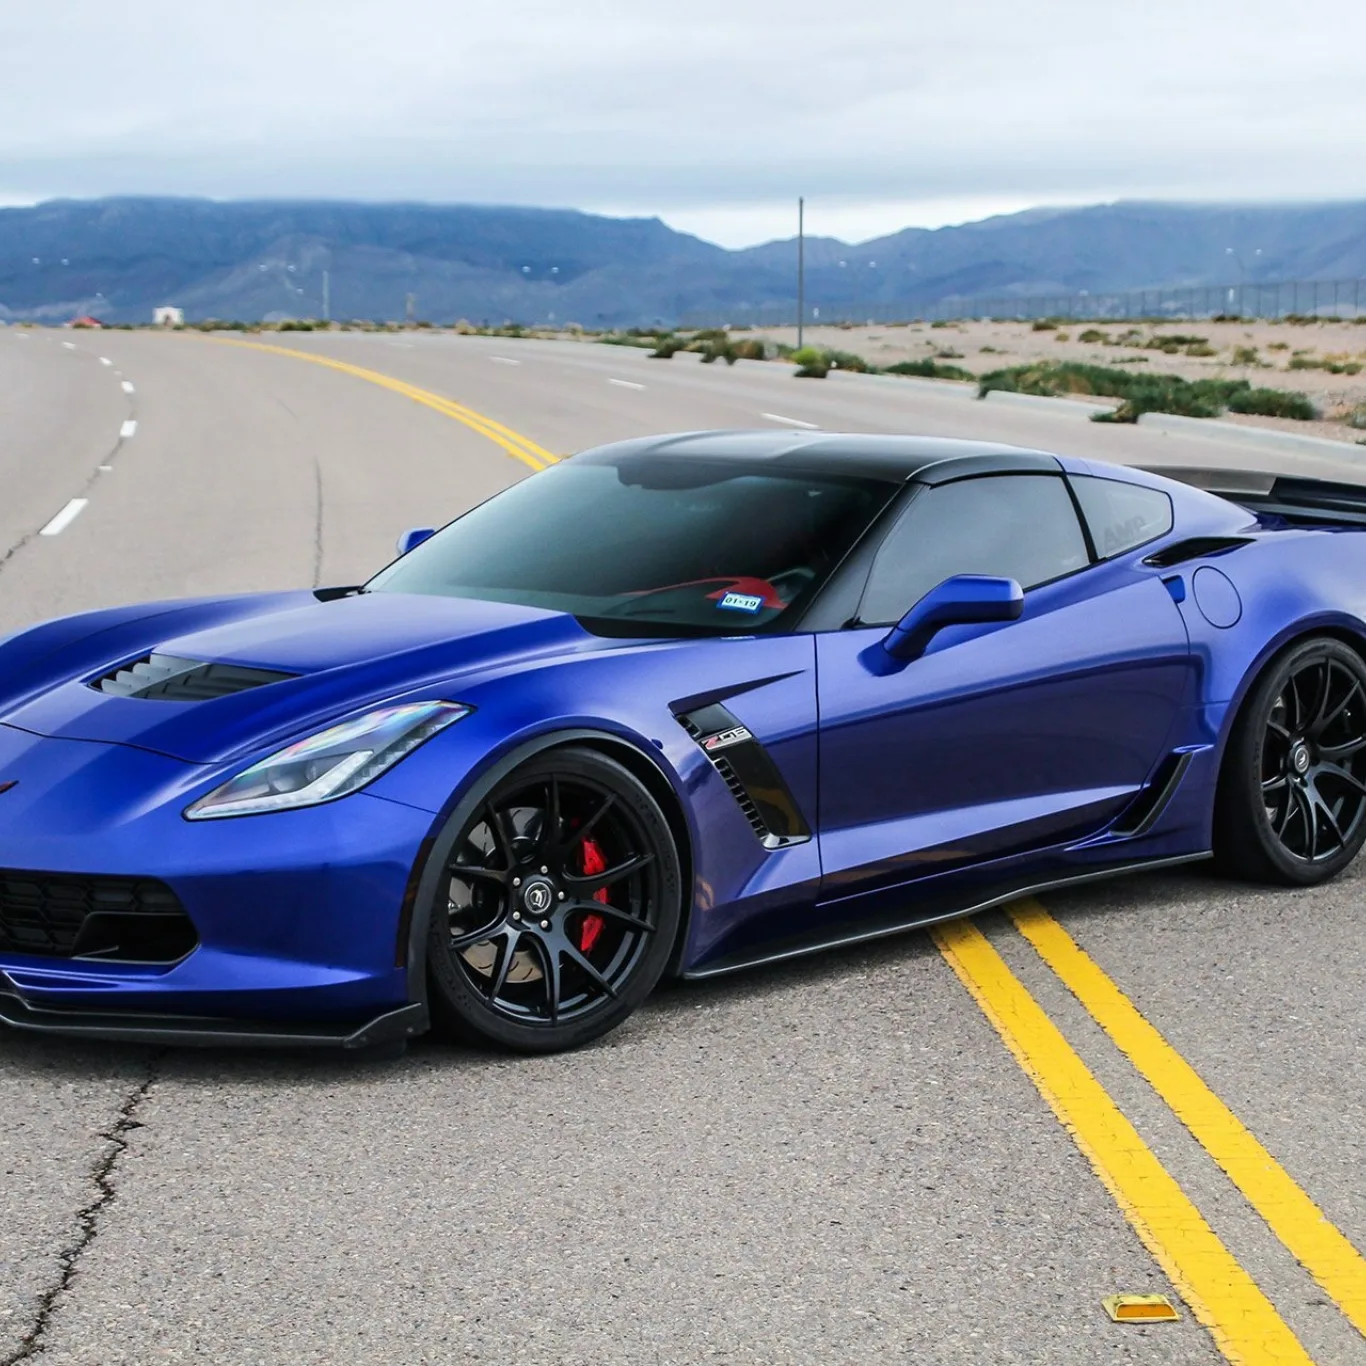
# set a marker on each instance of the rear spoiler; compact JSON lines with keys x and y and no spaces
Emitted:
{"x":1303,"y":500}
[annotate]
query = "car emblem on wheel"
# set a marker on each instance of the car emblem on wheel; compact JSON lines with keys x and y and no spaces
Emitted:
{"x":538,"y":897}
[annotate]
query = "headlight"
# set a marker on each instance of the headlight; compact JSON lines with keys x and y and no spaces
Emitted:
{"x":331,"y":764}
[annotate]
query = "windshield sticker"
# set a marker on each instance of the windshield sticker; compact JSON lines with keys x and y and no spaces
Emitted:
{"x":741,"y":602}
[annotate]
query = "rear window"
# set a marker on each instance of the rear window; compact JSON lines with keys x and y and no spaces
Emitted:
{"x":1121,"y":516}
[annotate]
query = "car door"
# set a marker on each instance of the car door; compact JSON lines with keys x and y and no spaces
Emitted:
{"x":1001,"y":737}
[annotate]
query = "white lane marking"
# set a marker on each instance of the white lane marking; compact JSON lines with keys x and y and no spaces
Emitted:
{"x":104,"y":360}
{"x":402,"y":346}
{"x":104,"y":469}
{"x":129,"y":428}
{"x":625,"y":384}
{"x":127,"y":387}
{"x":504,"y":360}
{"x":792,"y":421}
{"x":65,"y":517}
{"x":70,"y":346}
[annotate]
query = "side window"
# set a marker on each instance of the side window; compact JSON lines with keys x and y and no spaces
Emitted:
{"x":1119,"y":515}
{"x":1018,"y":526}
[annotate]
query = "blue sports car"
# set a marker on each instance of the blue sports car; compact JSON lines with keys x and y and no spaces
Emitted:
{"x":672,"y":707}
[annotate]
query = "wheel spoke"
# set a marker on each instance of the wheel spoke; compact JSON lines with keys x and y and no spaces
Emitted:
{"x":593,"y":882}
{"x":1275,"y":784}
{"x":580,"y":960}
{"x":1329,"y":819}
{"x":1332,"y":753}
{"x":1353,"y":689}
{"x":507,"y":951}
{"x":616,"y":915}
{"x":550,"y":825}
{"x":1320,"y":703}
{"x":1311,"y":819}
{"x":1342,"y":775}
{"x":503,"y":834}
{"x":1278,"y":730}
{"x":460,"y":942}
{"x":550,"y":975}
{"x":470,"y":872}
{"x":586,"y":829}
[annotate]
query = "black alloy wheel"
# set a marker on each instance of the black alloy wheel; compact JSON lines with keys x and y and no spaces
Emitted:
{"x":557,"y":908}
{"x":1292,"y":794}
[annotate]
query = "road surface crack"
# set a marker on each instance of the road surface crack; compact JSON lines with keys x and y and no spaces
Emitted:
{"x":88,"y":1218}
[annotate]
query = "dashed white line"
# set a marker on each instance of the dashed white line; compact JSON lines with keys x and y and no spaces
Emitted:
{"x":70,"y":346}
{"x":104,"y":360}
{"x":504,"y":360}
{"x":104,"y":469}
{"x":65,"y":517}
{"x":129,"y":428}
{"x":792,"y":421}
{"x":127,"y":387}
{"x":625,"y":384}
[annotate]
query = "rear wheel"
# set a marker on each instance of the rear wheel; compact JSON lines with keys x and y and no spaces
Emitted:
{"x":557,"y":908}
{"x":1291,"y":806}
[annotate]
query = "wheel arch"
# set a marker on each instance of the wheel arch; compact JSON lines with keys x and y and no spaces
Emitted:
{"x":411,"y":950}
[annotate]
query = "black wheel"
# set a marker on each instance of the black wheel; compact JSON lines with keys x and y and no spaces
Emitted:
{"x":1291,"y":806}
{"x":557,"y":908}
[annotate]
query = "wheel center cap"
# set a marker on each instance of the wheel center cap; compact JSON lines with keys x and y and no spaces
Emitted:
{"x":538,"y":896}
{"x":1299,"y":757}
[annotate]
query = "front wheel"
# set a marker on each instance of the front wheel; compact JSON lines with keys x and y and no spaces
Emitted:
{"x":557,"y":908}
{"x":1291,"y":806}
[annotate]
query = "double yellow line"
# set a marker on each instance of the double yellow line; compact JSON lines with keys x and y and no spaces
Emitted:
{"x":514,"y":443}
{"x":1218,"y":1290}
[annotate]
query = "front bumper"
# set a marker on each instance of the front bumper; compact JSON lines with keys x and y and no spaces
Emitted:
{"x":297,"y":913}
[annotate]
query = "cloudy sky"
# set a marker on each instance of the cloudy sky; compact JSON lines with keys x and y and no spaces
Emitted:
{"x":712,"y":114}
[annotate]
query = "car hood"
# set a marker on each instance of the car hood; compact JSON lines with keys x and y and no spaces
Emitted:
{"x":294,"y":661}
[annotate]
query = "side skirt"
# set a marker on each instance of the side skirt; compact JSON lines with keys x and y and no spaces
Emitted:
{"x":889,"y":926}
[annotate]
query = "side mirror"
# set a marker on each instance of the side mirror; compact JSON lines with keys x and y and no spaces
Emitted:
{"x":963,"y":599}
{"x":414,"y":537}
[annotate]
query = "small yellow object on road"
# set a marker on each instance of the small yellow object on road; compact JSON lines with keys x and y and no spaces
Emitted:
{"x":1140,"y":1309}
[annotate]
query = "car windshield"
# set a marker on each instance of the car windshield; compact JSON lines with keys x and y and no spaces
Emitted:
{"x":650,"y":545}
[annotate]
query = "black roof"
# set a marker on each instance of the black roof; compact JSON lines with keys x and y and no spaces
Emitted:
{"x":871,"y":455}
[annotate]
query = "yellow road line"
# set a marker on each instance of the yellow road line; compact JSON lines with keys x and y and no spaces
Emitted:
{"x":1220,"y":1293}
{"x":1291,"y":1215}
{"x":514,"y":443}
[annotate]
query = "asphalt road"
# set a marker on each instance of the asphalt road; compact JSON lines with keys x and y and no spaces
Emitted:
{"x":840,"y":1161}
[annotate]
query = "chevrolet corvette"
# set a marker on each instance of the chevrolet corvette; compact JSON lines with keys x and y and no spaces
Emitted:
{"x":672,"y":707}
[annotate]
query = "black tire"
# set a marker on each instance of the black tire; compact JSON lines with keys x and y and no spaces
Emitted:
{"x":558,"y":907}
{"x":1291,"y":804}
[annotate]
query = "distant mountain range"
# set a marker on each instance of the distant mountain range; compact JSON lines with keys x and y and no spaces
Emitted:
{"x":266,"y":260}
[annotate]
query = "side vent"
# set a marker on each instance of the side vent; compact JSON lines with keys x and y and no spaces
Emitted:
{"x":1194,"y":549}
{"x":1143,"y":812}
{"x":748,"y":770}
{"x":164,"y":678}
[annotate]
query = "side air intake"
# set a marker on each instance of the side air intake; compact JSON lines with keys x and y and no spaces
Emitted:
{"x":748,"y":770}
{"x":164,"y":678}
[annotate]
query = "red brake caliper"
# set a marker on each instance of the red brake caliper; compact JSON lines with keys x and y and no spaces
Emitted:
{"x":594,"y":861}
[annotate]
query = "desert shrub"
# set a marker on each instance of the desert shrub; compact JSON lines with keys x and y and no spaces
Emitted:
{"x":1094,"y":334}
{"x":1043,"y":325}
{"x":1131,"y":360}
{"x":811,"y":362}
{"x":928,"y":369}
{"x":1062,"y":336}
{"x":948,"y":353}
{"x":1278,"y":346}
{"x":666,"y":349}
{"x":1334,"y":365}
{"x":1273,"y":403}
{"x":847,"y":360}
{"x":1246,"y":355}
{"x":1201,"y":350}
{"x":750,"y":348}
{"x":942,"y":322}
{"x":988,"y":351}
{"x":1227,"y":318}
{"x":1149,"y":393}
{"x":1357,"y":417}
{"x":623,"y":339}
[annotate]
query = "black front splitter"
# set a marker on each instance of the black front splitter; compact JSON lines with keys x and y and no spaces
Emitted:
{"x":194,"y":1031}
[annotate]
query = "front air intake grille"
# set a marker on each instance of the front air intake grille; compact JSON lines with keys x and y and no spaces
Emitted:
{"x":164,"y":678}
{"x":122,"y":919}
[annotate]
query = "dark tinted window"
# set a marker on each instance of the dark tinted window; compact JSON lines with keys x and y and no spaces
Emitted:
{"x":1020,"y":527}
{"x":1119,"y":515}
{"x":649,"y":544}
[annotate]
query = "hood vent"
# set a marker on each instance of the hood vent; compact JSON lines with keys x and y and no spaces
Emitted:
{"x":165,"y":678}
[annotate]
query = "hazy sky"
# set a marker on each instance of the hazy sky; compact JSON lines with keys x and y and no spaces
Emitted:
{"x":713,"y":114}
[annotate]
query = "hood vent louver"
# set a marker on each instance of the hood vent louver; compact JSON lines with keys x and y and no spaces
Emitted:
{"x":165,"y":678}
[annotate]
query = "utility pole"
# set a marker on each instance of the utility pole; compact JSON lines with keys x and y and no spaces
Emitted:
{"x":327,"y":296}
{"x":801,"y":269}
{"x":412,"y":307}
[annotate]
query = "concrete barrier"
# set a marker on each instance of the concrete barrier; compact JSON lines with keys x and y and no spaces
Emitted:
{"x":1081,"y":408}
{"x":1263,"y":438}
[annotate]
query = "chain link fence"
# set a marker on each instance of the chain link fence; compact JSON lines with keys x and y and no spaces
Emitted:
{"x":1250,"y":299}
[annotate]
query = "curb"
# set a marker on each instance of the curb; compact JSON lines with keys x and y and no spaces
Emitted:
{"x":1264,"y":438}
{"x":916,"y":384}
{"x":1084,"y":409}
